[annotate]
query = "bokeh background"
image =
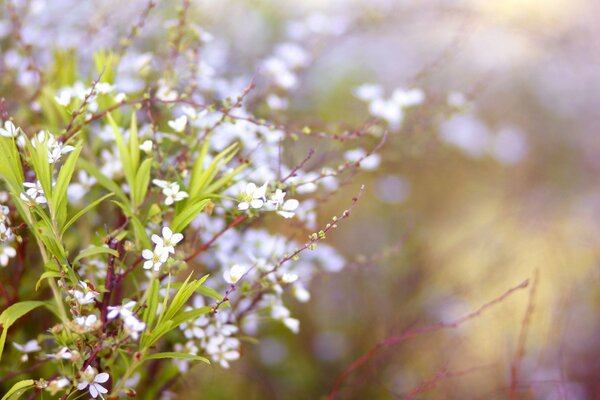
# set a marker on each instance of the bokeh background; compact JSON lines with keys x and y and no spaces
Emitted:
{"x":494,"y":180}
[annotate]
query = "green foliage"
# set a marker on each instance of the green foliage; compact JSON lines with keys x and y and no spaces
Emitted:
{"x":12,"y":314}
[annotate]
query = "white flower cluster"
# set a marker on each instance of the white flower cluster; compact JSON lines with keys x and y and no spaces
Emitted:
{"x":171,"y":190}
{"x":164,"y":247}
{"x":214,"y":335}
{"x":55,"y":148}
{"x":79,"y":92}
{"x":389,"y":109}
{"x":133,"y":326}
{"x":256,"y":197}
{"x":6,"y":236}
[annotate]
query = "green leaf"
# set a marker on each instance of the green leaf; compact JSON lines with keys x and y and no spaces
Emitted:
{"x":75,"y":217}
{"x":94,"y":251}
{"x":59,"y":192}
{"x":150,"y":311}
{"x":199,"y":178}
{"x":134,"y":143}
{"x":142,"y":180}
{"x":210,"y":292}
{"x":46,"y":275}
{"x":13,"y":313}
{"x":10,"y":167}
{"x":184,"y":218}
{"x":18,"y":389}
{"x":175,"y":355}
{"x":103,"y":180}
{"x":124,"y":154}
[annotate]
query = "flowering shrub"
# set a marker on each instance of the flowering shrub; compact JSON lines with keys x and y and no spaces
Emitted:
{"x":150,"y":215}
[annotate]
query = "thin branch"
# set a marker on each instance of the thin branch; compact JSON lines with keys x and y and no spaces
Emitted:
{"x":394,"y":340}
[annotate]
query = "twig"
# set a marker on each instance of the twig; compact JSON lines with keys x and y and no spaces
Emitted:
{"x":520,"y":352}
{"x":394,"y":340}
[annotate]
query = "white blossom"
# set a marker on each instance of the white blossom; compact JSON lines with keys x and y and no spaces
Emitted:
{"x":92,"y":380}
{"x":9,"y":130}
{"x":34,"y":192}
{"x":6,"y":253}
{"x":154,"y":258}
{"x":168,"y":241}
{"x":171,"y":191}
{"x":253,"y":196}
{"x":234,"y":274}
{"x":178,"y":125}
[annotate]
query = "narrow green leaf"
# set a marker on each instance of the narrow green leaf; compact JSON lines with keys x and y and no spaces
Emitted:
{"x":103,"y":180}
{"x":18,"y":389}
{"x":176,"y":355}
{"x":75,"y":217}
{"x":13,"y":313}
{"x":142,"y":180}
{"x":92,"y":251}
{"x":183,"y":219}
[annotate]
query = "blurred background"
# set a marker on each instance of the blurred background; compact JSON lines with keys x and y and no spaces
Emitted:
{"x":492,"y":181}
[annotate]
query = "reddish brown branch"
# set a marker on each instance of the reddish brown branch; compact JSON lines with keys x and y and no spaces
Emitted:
{"x":520,"y":352}
{"x":394,"y":340}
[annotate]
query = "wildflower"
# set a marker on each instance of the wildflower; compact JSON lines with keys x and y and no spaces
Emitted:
{"x":5,"y":232}
{"x":91,"y":380}
{"x":58,"y":384}
{"x":288,"y":208}
{"x":55,"y":148}
{"x":178,"y":125}
{"x":34,"y":192}
{"x":253,"y":197}
{"x":65,"y":354}
{"x":168,"y":240}
{"x":9,"y":130}
{"x":30,"y":347}
{"x":87,"y":322}
{"x":87,"y":296}
{"x":235,"y":273}
{"x":123,"y":311}
{"x":171,"y":191}
{"x":146,"y":146}
{"x":277,"y":197}
{"x":6,"y":253}
{"x":63,"y":98}
{"x":154,"y":259}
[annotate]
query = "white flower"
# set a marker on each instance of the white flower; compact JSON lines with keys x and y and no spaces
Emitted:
{"x":277,"y":197}
{"x":168,"y":240}
{"x":9,"y":130}
{"x":408,"y":98}
{"x":368,"y":92}
{"x":65,"y":354}
{"x":288,"y":208}
{"x":146,"y":146}
{"x":33,"y":192}
{"x":235,"y":273}
{"x":133,"y":326}
{"x":292,"y":323}
{"x":104,"y":88}
{"x":154,"y":259}
{"x":5,"y":232}
{"x":123,"y":311}
{"x":6,"y":252}
{"x":253,"y":197}
{"x":178,"y":125}
{"x":91,"y":379}
{"x":55,"y":148}
{"x":87,"y":296}
{"x":63,"y":98}
{"x":289,"y":277}
{"x":171,"y":190}
{"x":58,"y":384}
{"x":30,"y":347}
{"x":87,"y":322}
